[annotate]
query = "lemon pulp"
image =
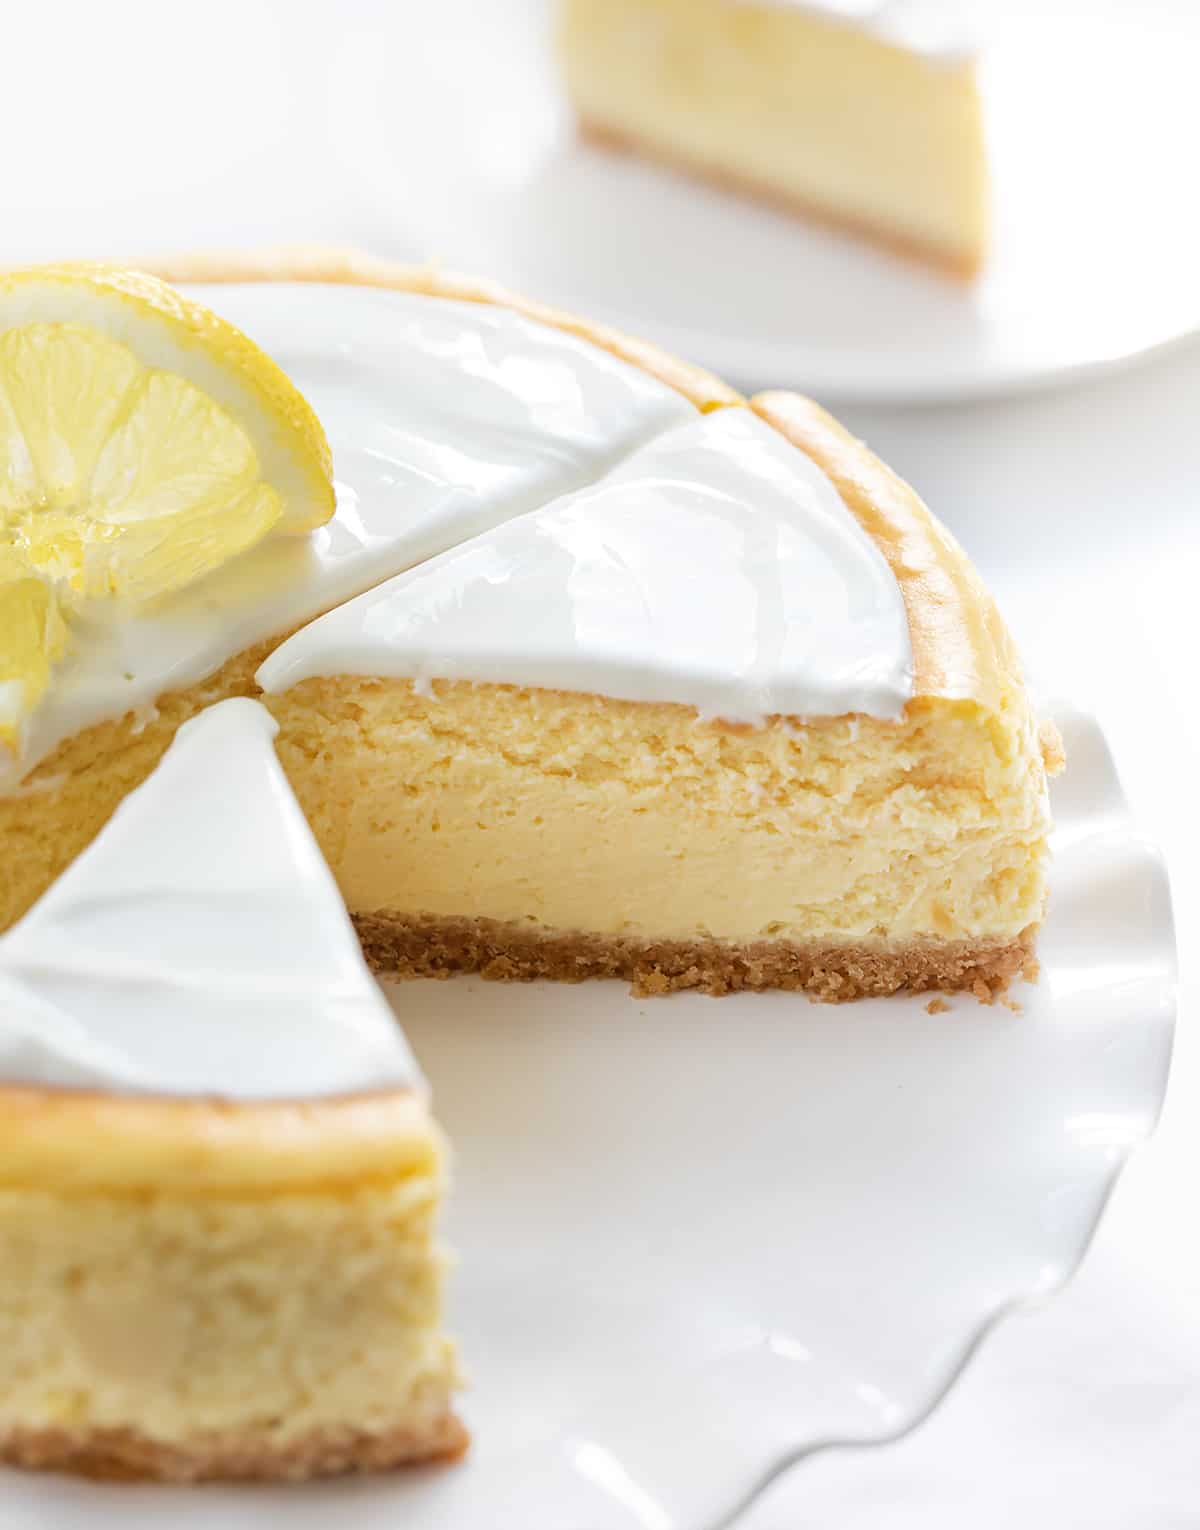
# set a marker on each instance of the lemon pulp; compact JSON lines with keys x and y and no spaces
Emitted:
{"x":32,"y":637}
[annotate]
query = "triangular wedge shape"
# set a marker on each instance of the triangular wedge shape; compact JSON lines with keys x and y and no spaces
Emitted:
{"x":218,"y":1175}
{"x":200,"y":945}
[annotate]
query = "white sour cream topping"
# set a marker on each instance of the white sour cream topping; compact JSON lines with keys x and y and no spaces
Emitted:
{"x":718,"y":567}
{"x":200,"y":945}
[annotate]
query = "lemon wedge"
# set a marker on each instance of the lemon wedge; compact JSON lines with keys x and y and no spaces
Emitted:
{"x":144,"y":442}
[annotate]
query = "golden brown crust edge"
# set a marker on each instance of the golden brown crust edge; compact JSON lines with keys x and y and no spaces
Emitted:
{"x":350,"y":267}
{"x":78,"y":1141}
{"x":128,"y":1455}
{"x":962,"y":650}
{"x":429,"y":946}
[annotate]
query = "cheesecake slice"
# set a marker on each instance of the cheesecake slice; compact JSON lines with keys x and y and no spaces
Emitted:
{"x":219,"y":1177}
{"x":740,"y":715}
{"x":866,"y":116}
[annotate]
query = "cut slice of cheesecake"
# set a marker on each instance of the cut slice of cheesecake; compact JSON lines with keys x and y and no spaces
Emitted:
{"x":863,"y":115}
{"x":218,"y":1173}
{"x":739,"y":716}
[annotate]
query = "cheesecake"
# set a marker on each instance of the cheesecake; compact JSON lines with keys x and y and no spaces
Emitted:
{"x":863,"y":116}
{"x":450,"y":406}
{"x":219,"y":1175}
{"x":738,"y":716}
{"x":619,"y":675}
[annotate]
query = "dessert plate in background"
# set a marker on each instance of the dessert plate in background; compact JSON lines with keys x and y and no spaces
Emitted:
{"x":438,"y":132}
{"x":450,"y":123}
{"x":700,"y":1239}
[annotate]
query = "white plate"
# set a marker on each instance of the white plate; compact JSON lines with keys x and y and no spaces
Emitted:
{"x":450,"y":118}
{"x":700,"y":1239}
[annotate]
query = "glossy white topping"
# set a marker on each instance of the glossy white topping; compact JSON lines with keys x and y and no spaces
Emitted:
{"x":718,"y":567}
{"x":200,"y":945}
{"x":444,"y":419}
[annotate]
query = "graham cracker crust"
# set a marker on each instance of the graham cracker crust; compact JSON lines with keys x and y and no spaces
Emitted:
{"x":960,"y":265}
{"x":429,"y":946}
{"x":128,"y":1455}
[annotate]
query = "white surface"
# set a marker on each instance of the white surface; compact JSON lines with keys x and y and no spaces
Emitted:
{"x":717,"y":567}
{"x":204,"y":903}
{"x":1096,"y":242}
{"x":697,"y":1237}
{"x":443,"y":418}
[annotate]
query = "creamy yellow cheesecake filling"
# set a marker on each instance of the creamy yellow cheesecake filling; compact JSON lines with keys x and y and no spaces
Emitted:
{"x":580,"y":813}
{"x":246,"y":1326}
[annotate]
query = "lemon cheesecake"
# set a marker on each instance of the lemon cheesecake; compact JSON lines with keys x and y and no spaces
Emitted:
{"x":865,"y":115}
{"x":218,"y":1172}
{"x":740,"y":715}
{"x":643,"y":681}
{"x":450,"y":406}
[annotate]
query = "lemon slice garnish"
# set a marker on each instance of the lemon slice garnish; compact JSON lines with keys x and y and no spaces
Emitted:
{"x":144,"y":442}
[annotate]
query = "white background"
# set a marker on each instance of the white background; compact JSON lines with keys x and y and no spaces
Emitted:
{"x":125,"y":130}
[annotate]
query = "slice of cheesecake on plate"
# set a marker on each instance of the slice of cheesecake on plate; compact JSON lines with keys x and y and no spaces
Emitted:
{"x":219,"y":1177}
{"x":863,"y":115}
